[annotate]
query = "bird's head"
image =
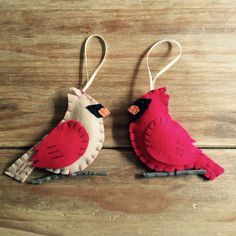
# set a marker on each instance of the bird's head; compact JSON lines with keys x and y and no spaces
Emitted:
{"x":154,"y":103}
{"x":88,"y":106}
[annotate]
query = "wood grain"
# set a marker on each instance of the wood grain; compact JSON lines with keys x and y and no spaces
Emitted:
{"x":120,"y":204}
{"x":202,"y":86}
{"x":106,"y":4}
{"x":41,"y":57}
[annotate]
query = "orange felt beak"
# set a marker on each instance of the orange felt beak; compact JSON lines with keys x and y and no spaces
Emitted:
{"x":133,"y":109}
{"x":104,"y":112}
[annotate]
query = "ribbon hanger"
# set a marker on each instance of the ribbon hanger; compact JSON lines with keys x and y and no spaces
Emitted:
{"x":92,"y":77}
{"x":153,"y":80}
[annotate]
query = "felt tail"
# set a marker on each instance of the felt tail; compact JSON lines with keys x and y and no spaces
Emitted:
{"x":21,"y":168}
{"x":213,"y":170}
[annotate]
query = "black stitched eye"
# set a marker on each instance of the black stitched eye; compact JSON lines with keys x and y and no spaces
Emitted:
{"x":94,"y":109}
{"x":142,"y":104}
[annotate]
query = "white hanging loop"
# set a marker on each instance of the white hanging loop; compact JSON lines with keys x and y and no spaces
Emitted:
{"x":92,"y":77}
{"x":170,"y":41}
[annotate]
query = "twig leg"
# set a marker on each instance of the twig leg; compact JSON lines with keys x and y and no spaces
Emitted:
{"x":51,"y":177}
{"x":174,"y":173}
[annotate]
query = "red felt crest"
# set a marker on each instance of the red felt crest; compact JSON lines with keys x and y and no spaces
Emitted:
{"x":65,"y":144}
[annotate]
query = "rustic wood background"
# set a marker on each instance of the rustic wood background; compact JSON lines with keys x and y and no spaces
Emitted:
{"x":40,"y":48}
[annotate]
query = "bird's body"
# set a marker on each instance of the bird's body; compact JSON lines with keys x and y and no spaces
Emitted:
{"x":71,"y":146}
{"x":93,"y":125}
{"x":162,"y":143}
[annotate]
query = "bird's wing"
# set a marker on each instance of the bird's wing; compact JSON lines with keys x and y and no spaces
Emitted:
{"x":169,"y":143}
{"x":65,"y":144}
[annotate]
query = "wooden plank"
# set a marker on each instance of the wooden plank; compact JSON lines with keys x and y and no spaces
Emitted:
{"x":152,"y":21}
{"x":35,"y":76}
{"x":106,"y":4}
{"x":120,"y":204}
{"x":40,"y":59}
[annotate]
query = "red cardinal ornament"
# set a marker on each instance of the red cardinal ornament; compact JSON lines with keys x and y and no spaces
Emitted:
{"x":75,"y":142}
{"x":159,"y":141}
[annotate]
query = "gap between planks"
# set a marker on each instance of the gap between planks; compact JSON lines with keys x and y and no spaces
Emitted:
{"x":124,"y":147}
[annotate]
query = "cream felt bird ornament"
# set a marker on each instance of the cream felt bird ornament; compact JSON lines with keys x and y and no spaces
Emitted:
{"x":74,"y":143}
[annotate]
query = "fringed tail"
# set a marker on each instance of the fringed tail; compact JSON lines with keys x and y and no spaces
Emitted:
{"x":21,"y":168}
{"x":213,"y":170}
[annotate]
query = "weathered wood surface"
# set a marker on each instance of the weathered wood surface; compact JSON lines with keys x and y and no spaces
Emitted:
{"x":40,"y":47}
{"x":40,"y":59}
{"x":120,"y":204}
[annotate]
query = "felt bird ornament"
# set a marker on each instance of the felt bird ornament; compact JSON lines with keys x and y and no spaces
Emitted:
{"x":160,"y":142}
{"x":75,"y":142}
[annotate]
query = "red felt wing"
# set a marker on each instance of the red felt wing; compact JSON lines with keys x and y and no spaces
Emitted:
{"x":65,"y":144}
{"x":169,"y":143}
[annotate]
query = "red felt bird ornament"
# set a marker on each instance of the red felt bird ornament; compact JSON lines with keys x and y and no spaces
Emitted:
{"x":158,"y":140}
